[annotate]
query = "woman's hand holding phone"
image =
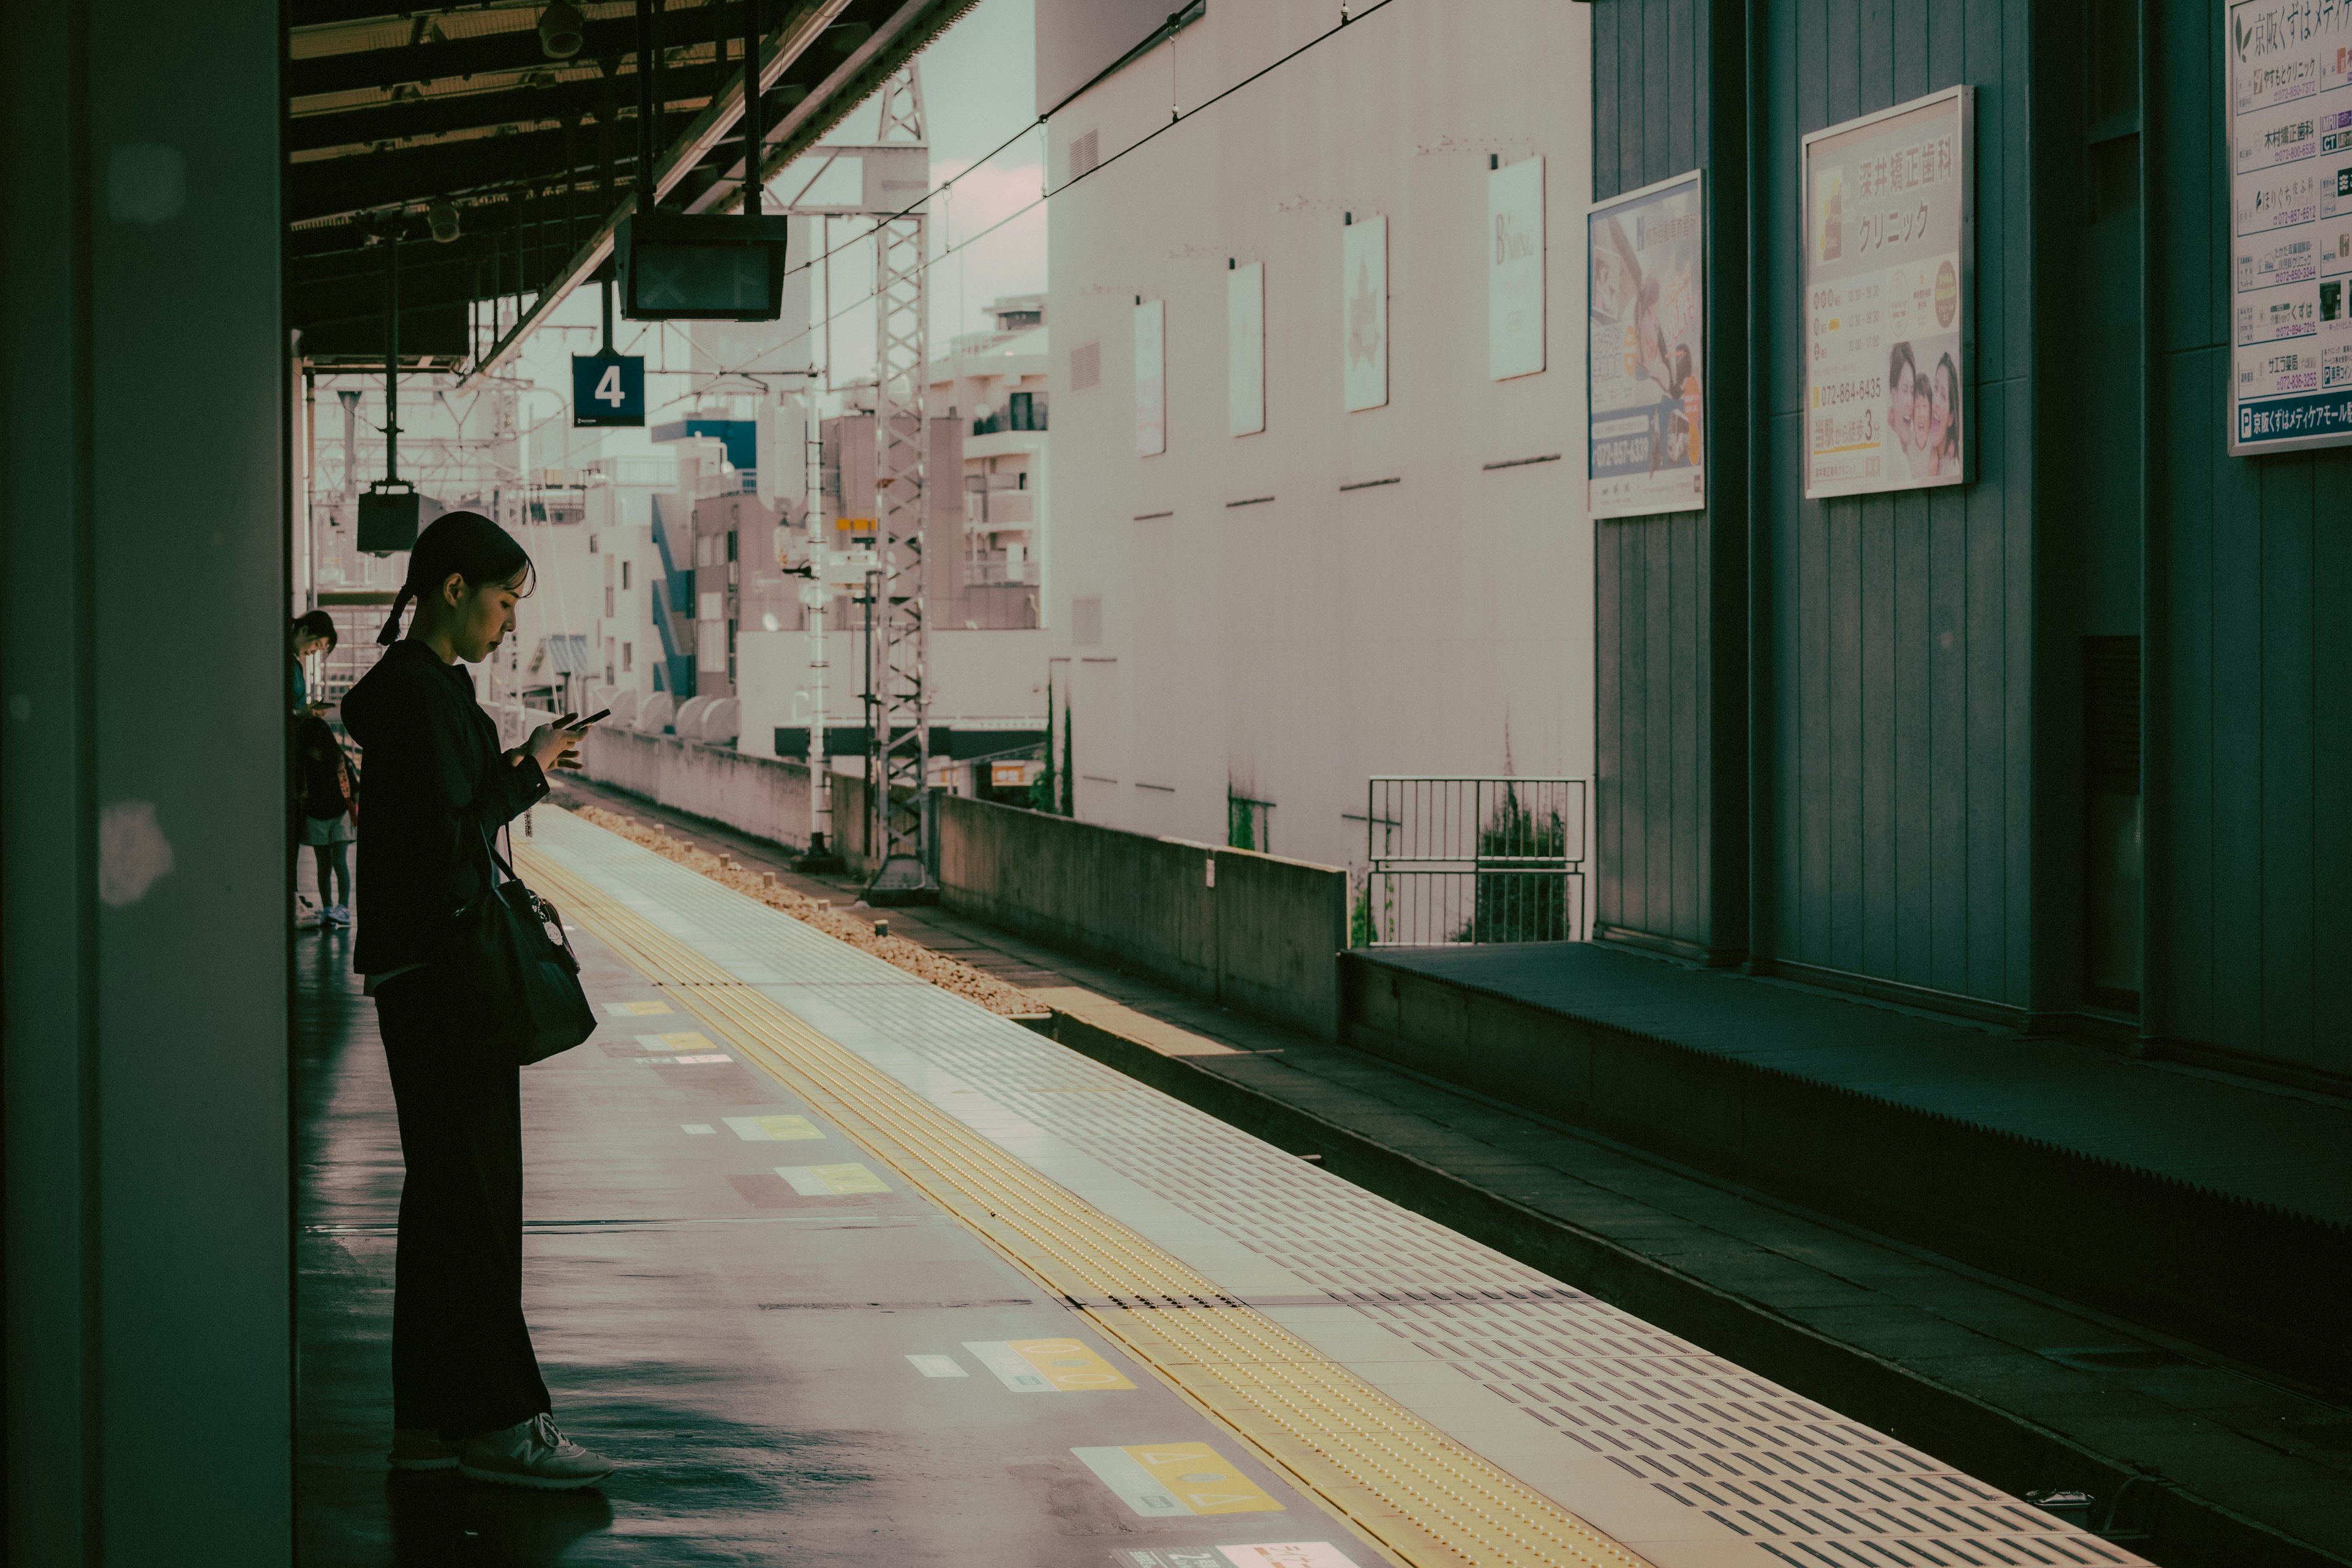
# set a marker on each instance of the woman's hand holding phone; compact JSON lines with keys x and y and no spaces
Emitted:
{"x":556,"y":743}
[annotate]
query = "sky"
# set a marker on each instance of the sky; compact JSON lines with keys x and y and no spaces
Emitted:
{"x":979,"y":87}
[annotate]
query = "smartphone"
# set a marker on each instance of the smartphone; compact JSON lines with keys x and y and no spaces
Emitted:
{"x":580,"y":724}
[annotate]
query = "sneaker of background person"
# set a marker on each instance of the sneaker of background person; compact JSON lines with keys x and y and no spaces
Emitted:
{"x":532,"y":1454}
{"x":420,"y":1448}
{"x":339,"y":915}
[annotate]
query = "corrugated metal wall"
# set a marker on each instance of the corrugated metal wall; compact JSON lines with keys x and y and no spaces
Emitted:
{"x":1670,"y":614}
{"x":1900,"y":626}
{"x":1916,"y":778}
{"x":2249,"y":657}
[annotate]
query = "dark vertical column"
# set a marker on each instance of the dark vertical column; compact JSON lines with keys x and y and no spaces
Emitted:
{"x":1671,"y":800}
{"x":145,"y":906}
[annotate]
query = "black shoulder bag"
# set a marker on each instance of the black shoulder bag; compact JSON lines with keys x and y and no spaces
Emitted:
{"x":512,"y":949}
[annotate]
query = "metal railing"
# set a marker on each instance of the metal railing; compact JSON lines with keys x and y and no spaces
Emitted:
{"x":1472,"y":860}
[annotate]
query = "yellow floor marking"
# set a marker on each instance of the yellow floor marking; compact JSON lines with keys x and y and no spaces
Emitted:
{"x":683,"y":1040}
{"x":1201,"y":1479}
{"x":1424,"y":1498}
{"x":1069,"y":1365}
{"x":775,"y":1129}
{"x":832,"y":1181}
{"x":636,"y":1009}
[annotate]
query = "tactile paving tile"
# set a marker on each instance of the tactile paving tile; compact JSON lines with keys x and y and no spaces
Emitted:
{"x":1784,"y":1478}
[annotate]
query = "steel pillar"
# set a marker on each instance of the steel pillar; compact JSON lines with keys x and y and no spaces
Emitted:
{"x":898,"y":701}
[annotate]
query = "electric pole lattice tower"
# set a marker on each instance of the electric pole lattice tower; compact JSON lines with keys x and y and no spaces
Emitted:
{"x":898,"y":701}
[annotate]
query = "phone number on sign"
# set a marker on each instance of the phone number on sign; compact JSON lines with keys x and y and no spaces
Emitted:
{"x":1830,"y":393}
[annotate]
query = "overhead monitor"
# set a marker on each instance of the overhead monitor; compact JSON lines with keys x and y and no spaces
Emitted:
{"x":701,"y":266}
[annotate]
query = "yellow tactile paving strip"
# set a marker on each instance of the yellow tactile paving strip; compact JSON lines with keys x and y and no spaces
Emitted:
{"x":1423,"y":1496}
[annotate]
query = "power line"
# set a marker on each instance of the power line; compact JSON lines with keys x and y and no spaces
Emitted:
{"x":1044,"y":196}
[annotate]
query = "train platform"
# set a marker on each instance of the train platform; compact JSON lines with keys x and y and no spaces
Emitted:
{"x":844,"y":1268}
{"x":2203,"y":1204}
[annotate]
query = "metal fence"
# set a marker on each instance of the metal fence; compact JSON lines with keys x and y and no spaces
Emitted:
{"x":1472,"y":860}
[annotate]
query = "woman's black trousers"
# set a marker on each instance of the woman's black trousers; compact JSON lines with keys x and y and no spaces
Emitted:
{"x":461,"y":1355}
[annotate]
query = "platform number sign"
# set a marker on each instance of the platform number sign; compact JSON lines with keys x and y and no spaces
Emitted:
{"x":608,"y":389}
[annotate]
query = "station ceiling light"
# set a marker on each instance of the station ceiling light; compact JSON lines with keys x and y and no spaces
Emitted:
{"x":441,"y":220}
{"x":561,"y":30}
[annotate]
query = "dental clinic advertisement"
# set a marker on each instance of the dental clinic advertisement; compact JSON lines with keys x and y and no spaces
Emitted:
{"x":2287,"y":73}
{"x":1888,"y":258}
{"x":1645,"y":357}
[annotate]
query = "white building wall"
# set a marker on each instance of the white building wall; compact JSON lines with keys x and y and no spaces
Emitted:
{"x":1290,"y":648}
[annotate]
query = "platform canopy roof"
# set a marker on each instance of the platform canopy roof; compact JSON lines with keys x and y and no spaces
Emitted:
{"x":401,"y":122}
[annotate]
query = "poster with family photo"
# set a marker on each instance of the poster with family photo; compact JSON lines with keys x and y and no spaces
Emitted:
{"x":1888,"y":252}
{"x":1646,"y":354}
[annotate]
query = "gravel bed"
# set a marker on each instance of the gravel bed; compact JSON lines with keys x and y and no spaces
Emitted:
{"x":950,"y":973}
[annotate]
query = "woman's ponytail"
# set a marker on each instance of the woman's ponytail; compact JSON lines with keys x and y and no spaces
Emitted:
{"x":391,"y":633}
{"x":461,"y":543}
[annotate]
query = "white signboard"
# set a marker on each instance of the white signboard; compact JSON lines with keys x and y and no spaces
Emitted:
{"x":1150,"y":378}
{"x":2287,"y":97}
{"x":1515,"y":269}
{"x":1889,"y":241}
{"x":1364,"y":284}
{"x":1246,"y":350}
{"x":1646,"y":353}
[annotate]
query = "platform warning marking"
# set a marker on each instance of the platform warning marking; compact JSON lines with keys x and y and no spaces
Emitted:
{"x":939,"y":1366}
{"x":1177,"y":1479}
{"x":832,"y":1181}
{"x":1267,"y":1554}
{"x":1427,"y":1500}
{"x":684,"y":1061}
{"x":699,"y":1129}
{"x":1132,"y":1484}
{"x":1047,"y":1366}
{"x":774,"y":1128}
{"x":634,"y":1009}
{"x":683,"y":1040}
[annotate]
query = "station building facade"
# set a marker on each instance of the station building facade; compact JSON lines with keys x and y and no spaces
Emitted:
{"x":1305,"y":533}
{"x":2062,"y":745}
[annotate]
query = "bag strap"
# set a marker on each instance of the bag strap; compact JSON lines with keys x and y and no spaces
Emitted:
{"x":494,"y":862}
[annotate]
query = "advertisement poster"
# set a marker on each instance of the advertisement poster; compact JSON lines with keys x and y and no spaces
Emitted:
{"x":1364,"y":305}
{"x":1645,"y":359}
{"x":1246,"y":348}
{"x":1150,"y":378}
{"x":2287,"y":72}
{"x":1515,"y":269}
{"x":1888,"y":236}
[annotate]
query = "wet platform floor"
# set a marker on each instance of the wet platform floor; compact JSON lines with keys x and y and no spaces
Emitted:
{"x":842,"y":1269}
{"x":745,"y":1349}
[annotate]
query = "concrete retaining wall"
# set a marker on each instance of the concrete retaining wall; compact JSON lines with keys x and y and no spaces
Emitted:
{"x":1251,"y":932}
{"x":764,"y":796}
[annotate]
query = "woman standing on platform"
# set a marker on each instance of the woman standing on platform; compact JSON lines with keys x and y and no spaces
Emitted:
{"x":465,"y":1388}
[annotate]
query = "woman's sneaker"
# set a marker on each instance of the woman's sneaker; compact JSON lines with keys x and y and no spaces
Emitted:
{"x":339,"y":915}
{"x":421,"y":1449}
{"x":532,"y":1454}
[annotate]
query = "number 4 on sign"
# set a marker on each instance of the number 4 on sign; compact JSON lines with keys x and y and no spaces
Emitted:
{"x":608,"y":389}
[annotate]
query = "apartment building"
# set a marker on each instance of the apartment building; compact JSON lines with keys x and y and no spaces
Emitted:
{"x":1319,"y":497}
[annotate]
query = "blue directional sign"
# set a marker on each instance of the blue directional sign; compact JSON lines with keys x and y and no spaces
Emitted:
{"x":608,"y":389}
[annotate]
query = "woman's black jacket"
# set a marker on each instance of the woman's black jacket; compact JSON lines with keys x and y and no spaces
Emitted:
{"x":438,"y":785}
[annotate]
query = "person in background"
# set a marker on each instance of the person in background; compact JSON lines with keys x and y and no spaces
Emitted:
{"x":466,"y":1393}
{"x":313,"y":632}
{"x":326,"y":794}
